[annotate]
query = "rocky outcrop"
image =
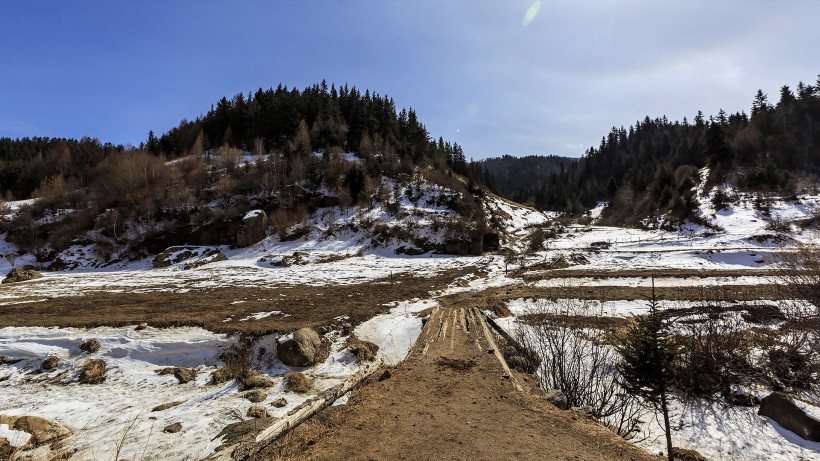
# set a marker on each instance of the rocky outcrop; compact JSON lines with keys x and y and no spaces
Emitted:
{"x":22,"y":274}
{"x":42,"y":430}
{"x":782,"y":409}
{"x":300,"y":351}
{"x":253,"y":229}
{"x":196,"y":257}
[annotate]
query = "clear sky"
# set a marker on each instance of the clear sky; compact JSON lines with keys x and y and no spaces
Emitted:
{"x":498,"y":77}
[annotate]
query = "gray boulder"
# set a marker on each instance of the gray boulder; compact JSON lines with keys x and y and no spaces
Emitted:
{"x":557,"y":398}
{"x":253,"y":229}
{"x":301,"y":350}
{"x":782,"y":409}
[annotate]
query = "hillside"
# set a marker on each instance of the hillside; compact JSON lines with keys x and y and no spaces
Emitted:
{"x":288,"y":154}
{"x":650,"y":168}
{"x":516,"y":177}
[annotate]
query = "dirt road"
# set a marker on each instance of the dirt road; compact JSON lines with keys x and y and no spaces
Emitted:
{"x":452,"y":399}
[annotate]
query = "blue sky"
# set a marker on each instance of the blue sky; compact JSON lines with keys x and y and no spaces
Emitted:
{"x":487,"y":75}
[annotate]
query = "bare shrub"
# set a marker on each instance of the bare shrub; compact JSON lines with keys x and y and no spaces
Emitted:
{"x":575,"y":362}
{"x":715,"y":353}
{"x":801,"y":279}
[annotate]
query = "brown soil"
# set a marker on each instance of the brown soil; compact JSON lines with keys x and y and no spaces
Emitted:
{"x":451,"y":400}
{"x":306,"y":306}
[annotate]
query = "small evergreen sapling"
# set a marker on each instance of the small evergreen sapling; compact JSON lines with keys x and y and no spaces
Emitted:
{"x":647,"y":361}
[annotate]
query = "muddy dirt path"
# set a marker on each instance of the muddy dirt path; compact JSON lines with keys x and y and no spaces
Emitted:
{"x":452,"y":399}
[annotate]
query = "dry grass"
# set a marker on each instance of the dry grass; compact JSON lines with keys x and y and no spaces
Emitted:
{"x":297,"y":382}
{"x":93,"y":371}
{"x":364,"y":351}
{"x":307,"y":306}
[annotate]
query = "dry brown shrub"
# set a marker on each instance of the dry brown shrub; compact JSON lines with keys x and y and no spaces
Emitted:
{"x":297,"y":382}
{"x":364,"y":351}
{"x":93,"y":371}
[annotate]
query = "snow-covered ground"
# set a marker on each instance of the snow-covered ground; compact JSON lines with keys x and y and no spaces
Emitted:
{"x":116,"y":416}
{"x":340,"y":251}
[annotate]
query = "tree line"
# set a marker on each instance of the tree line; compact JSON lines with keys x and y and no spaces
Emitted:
{"x":651,"y":166}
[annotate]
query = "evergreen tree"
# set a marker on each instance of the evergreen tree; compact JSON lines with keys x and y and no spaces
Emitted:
{"x":647,"y":360}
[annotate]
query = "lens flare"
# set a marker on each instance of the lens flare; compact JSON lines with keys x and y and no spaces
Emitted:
{"x":531,"y":13}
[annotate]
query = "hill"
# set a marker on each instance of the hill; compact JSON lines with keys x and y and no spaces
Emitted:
{"x":286,"y":153}
{"x":650,"y":168}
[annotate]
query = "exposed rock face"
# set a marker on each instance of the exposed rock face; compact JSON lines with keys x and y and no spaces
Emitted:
{"x":42,"y":430}
{"x":21,"y":274}
{"x":279,"y":403}
{"x":557,"y":398}
{"x":783,"y":410}
{"x":253,"y":229}
{"x":198,"y":256}
{"x":301,"y":351}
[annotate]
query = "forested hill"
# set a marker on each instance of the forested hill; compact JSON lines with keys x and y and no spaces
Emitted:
{"x":518,"y":177}
{"x":650,"y":168}
{"x":284,"y":120}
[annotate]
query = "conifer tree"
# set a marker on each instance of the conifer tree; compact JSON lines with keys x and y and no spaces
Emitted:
{"x":647,"y":361}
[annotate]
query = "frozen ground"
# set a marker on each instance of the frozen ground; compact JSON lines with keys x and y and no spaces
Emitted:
{"x":116,"y":415}
{"x":118,"y":411}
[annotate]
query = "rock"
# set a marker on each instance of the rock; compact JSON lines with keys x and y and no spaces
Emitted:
{"x":557,"y":398}
{"x":253,"y":229}
{"x":782,"y":409}
{"x":50,"y":363}
{"x":301,"y":351}
{"x":256,"y":396}
{"x":184,"y":375}
{"x":279,"y":403}
{"x":257,"y":412}
{"x":89,"y":346}
{"x":22,"y":274}
{"x":385,"y":375}
{"x":297,"y":382}
{"x":173,"y":428}
{"x":165,"y":406}
{"x":141,"y":326}
{"x":92,"y":372}
{"x":42,"y":430}
{"x":584,"y":410}
{"x":255,"y":380}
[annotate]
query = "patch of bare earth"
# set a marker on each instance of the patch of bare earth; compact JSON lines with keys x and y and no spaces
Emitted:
{"x":451,"y":400}
{"x":300,"y":306}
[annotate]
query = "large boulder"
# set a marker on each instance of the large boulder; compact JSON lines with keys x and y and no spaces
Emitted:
{"x":782,"y":409}
{"x":21,"y":274}
{"x":253,"y":229}
{"x":300,"y":351}
{"x":42,"y":430}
